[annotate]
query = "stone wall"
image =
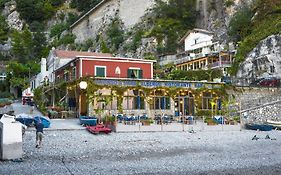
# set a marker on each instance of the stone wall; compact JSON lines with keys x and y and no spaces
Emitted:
{"x":259,"y":104}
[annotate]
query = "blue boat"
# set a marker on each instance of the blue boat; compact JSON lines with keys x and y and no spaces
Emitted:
{"x":88,"y":121}
{"x":45,"y":120}
{"x":25,"y":119}
{"x":261,"y":127}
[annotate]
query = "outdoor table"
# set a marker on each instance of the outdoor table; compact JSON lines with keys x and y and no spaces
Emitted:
{"x":64,"y":114}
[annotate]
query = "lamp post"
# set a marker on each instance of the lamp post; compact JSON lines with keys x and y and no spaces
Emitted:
{"x":83,"y":86}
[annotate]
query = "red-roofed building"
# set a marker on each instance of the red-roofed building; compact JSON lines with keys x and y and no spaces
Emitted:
{"x":55,"y":60}
{"x":106,"y":67}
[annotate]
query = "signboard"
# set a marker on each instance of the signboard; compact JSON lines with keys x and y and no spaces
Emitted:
{"x":156,"y":83}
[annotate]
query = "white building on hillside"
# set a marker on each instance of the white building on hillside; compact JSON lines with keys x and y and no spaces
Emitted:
{"x":201,"y":52}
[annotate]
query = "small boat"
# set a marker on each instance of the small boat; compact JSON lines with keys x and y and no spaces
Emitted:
{"x":275,"y":124}
{"x":25,"y":119}
{"x":98,"y":129}
{"x":45,"y":120}
{"x":260,"y":127}
{"x":88,"y":121}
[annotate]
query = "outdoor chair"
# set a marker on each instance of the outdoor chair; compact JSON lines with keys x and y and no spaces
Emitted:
{"x":120,"y":118}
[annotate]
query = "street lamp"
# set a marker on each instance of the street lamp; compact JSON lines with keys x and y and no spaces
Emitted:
{"x":83,"y":85}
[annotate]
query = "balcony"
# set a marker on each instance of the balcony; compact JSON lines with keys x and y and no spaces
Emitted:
{"x":182,"y":60}
{"x":221,"y":64}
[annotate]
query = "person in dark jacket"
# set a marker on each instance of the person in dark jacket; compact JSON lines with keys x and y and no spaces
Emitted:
{"x":39,"y":134}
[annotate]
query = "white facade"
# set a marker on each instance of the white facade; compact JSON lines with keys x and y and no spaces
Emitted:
{"x":198,"y":43}
{"x":40,"y":78}
{"x":197,"y":40}
{"x":54,"y":62}
{"x":48,"y":66}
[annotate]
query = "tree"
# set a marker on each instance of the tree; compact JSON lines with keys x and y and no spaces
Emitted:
{"x":84,"y":5}
{"x":22,"y":45}
{"x":19,"y":73}
{"x":28,"y":46}
{"x":40,"y":48}
{"x":240,"y":24}
{"x":35,"y":10}
{"x":173,"y":19}
{"x":115,"y":34}
{"x":3,"y":30}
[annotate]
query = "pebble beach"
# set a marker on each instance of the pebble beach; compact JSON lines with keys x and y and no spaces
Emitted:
{"x":78,"y":152}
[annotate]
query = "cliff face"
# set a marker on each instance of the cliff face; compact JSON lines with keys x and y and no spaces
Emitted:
{"x":215,"y":15}
{"x":263,"y":61}
{"x":129,"y":12}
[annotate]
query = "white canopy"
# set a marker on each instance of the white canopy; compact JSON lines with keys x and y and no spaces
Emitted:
{"x":27,"y":93}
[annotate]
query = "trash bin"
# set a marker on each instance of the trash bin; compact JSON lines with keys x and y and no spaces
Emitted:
{"x":10,"y":138}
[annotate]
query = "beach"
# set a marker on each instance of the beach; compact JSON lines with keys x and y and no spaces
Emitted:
{"x":216,"y":152}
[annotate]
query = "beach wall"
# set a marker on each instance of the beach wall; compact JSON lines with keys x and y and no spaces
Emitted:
{"x":259,"y":103}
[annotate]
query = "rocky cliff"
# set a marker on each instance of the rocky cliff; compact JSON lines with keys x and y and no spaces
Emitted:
{"x":263,"y":61}
{"x":213,"y":15}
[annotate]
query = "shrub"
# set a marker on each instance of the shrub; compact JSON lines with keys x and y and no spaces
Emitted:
{"x":57,"y":29}
{"x":5,"y":94}
{"x":115,"y":34}
{"x":240,"y":24}
{"x":67,"y":39}
{"x":205,"y":113}
{"x":229,"y":3}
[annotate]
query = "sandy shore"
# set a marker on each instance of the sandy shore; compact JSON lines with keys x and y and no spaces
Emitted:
{"x":217,"y":152}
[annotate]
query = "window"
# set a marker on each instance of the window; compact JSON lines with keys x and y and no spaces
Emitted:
{"x":135,"y":73}
{"x":196,"y":40}
{"x":66,"y":75}
{"x":138,"y":102}
{"x":100,"y":71}
{"x":160,"y":103}
{"x":73,"y":73}
{"x":206,"y":100}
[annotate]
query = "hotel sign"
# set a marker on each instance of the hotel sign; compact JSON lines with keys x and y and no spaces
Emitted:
{"x":156,"y":83}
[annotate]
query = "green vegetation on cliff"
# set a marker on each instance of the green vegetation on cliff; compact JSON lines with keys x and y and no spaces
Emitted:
{"x":251,"y":25}
{"x":172,"y":20}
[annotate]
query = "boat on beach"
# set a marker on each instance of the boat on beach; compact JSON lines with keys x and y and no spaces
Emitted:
{"x":275,"y":124}
{"x":260,"y":127}
{"x":25,"y":119}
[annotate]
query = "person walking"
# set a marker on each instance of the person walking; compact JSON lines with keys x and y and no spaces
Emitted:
{"x":39,"y":134}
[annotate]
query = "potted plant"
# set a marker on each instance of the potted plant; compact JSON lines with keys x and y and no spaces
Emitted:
{"x":147,"y":121}
{"x":110,"y":122}
{"x":210,"y":121}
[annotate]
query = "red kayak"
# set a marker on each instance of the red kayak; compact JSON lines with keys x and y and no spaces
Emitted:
{"x":98,"y":129}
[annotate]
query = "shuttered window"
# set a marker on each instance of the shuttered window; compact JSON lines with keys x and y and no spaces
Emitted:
{"x":100,"y":71}
{"x":135,"y":73}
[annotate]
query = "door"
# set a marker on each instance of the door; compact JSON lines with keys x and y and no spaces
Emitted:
{"x":184,"y":106}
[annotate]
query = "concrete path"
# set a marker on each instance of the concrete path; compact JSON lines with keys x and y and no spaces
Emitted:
{"x":73,"y":124}
{"x":19,"y":109}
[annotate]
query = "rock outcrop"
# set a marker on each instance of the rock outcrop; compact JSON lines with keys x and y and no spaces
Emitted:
{"x":263,"y":61}
{"x":13,"y":17}
{"x":96,"y":20}
{"x":215,"y":15}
